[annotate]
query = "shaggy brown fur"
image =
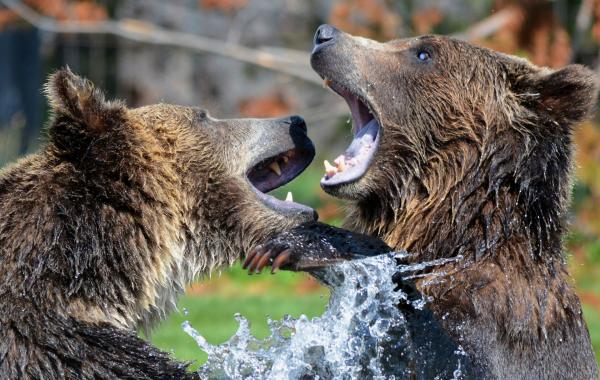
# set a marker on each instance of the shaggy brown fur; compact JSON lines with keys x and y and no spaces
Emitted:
{"x":474,"y":161}
{"x":101,"y":230}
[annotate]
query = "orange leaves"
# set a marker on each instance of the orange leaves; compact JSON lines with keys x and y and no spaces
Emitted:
{"x":596,"y":15}
{"x":545,"y":37}
{"x":269,"y":105}
{"x":85,"y":11}
{"x":223,"y":5}
{"x":535,"y":30}
{"x":425,"y":20}
{"x":587,"y":140}
{"x":369,"y":18}
{"x":88,"y":11}
{"x":53,"y":8}
{"x":7,"y":17}
{"x":63,"y":10}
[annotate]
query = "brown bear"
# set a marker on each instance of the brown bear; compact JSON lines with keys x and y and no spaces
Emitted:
{"x":103,"y":228}
{"x":466,"y":153}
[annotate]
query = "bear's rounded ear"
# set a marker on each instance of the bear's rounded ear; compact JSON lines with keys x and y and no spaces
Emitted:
{"x":568,"y":95}
{"x":76,"y":98}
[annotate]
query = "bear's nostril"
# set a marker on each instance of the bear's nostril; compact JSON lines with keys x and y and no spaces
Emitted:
{"x":298,"y":122}
{"x":325,"y":33}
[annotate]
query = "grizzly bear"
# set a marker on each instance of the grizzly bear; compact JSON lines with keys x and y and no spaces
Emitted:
{"x":466,"y":153}
{"x":103,"y":228}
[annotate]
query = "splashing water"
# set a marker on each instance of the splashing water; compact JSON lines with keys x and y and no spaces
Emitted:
{"x":361,"y":335}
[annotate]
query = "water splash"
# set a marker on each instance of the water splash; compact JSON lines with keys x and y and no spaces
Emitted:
{"x":362,"y":334}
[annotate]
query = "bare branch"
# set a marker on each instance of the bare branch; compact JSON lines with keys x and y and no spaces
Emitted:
{"x":145,"y":32}
{"x":490,"y":25}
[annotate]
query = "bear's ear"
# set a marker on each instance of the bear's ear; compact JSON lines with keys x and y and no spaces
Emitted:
{"x":568,"y":95}
{"x":77,"y":99}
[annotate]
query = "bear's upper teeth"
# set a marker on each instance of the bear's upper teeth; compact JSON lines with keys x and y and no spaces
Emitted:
{"x":329,"y":169}
{"x":289,"y":197}
{"x":275,"y":167}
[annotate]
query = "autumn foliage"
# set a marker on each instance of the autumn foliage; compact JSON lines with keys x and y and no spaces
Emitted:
{"x":534,"y":29}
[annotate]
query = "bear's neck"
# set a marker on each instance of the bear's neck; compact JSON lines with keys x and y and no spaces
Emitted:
{"x":480,"y":200}
{"x":502,"y":220}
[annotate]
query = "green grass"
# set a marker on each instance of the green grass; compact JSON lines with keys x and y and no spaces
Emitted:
{"x":213,"y":317}
{"x":256,"y":298}
{"x":212,"y":304}
{"x":592,"y":317}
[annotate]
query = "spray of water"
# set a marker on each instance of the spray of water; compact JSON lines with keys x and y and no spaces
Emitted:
{"x":361,"y":335}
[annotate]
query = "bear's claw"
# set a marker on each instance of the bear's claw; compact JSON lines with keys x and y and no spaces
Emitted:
{"x":280,"y":260}
{"x":251,"y":255}
{"x":260,"y":257}
{"x":311,"y":246}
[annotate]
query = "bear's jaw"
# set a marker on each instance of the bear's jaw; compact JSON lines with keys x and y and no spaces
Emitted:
{"x":352,"y":165}
{"x":277,"y":170}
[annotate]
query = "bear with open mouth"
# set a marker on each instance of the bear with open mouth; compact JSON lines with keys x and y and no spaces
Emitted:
{"x":459,"y":152}
{"x":120,"y":210}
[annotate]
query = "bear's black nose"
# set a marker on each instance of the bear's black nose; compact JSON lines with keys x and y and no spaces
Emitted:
{"x":298,"y":122}
{"x":325,"y":33}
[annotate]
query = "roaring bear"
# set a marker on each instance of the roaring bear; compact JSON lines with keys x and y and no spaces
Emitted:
{"x":466,"y":153}
{"x":104,"y":227}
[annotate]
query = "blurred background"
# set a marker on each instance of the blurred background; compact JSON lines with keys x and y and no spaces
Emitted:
{"x":250,"y":58}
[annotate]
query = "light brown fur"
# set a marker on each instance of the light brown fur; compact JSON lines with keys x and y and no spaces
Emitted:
{"x":105,"y":227}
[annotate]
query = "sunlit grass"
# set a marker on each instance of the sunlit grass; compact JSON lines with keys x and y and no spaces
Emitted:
{"x":212,"y":303}
{"x":592,"y":318}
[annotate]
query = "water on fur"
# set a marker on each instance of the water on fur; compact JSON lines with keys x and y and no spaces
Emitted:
{"x":361,"y":335}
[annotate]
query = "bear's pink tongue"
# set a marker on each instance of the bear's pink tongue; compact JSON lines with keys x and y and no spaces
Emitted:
{"x":355,"y":161}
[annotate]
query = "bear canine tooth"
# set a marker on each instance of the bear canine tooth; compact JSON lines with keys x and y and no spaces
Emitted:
{"x":289,"y":197}
{"x":274,"y":166}
{"x":340,"y":164}
{"x":329,"y":169}
{"x":285,"y":159}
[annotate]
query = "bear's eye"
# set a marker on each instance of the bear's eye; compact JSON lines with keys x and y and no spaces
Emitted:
{"x":423,"y":56}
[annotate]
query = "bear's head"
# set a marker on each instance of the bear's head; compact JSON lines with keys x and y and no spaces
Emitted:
{"x":438,"y":120}
{"x":167,"y":191}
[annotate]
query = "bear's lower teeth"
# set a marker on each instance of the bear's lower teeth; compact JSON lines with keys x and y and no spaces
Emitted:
{"x":357,"y":156}
{"x":330,"y":170}
{"x":340,"y":165}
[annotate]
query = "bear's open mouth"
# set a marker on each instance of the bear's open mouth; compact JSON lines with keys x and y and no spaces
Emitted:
{"x":276,"y":171}
{"x":355,"y":161}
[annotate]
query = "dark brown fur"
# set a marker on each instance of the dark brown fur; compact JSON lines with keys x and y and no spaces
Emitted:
{"x":475,"y":160}
{"x":101,"y":230}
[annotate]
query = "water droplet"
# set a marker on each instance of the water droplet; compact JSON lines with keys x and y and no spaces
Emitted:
{"x":361,"y":320}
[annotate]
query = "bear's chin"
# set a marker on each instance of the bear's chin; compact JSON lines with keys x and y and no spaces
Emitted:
{"x":353,"y":191}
